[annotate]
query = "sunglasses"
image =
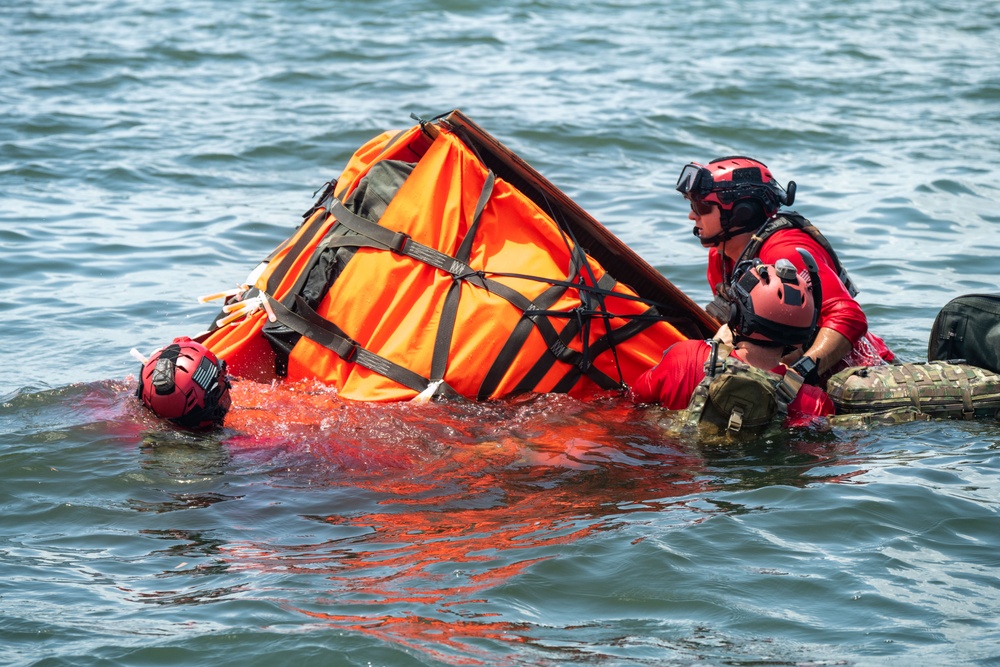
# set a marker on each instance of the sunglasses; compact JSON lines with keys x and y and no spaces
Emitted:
{"x":700,"y":207}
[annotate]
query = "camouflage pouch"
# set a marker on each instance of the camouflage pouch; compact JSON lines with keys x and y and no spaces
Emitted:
{"x":735,"y":397}
{"x":935,"y":388}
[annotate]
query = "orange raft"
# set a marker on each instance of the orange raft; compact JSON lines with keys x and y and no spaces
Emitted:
{"x":440,"y":263}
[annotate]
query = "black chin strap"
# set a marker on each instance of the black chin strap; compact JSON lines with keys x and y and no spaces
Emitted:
{"x":721,"y":237}
{"x":726,"y":233}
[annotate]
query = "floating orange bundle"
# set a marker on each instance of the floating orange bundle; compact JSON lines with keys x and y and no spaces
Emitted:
{"x":441,"y":263}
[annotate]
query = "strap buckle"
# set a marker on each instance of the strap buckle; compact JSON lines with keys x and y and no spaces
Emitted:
{"x":398,"y":242}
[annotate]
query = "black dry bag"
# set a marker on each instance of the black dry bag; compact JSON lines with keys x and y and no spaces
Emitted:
{"x":968,"y":329}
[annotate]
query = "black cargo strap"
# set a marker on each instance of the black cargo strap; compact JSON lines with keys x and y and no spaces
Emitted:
{"x":449,"y":312}
{"x":585,"y":298}
{"x":306,"y":235}
{"x":529,"y":320}
{"x":401,"y":244}
{"x":572,"y":328}
{"x":313,"y":326}
{"x":299,"y":316}
{"x":537,"y":317}
{"x":307,"y":322}
{"x":280,"y":271}
{"x":606,"y":342}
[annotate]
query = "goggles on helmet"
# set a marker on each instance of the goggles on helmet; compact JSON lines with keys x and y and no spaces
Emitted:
{"x":695,"y":179}
{"x":696,"y":182}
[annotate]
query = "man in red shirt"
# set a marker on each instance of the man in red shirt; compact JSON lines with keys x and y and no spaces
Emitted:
{"x":772,"y":312}
{"x":734,"y":207}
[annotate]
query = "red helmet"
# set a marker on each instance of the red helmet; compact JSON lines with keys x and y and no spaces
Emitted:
{"x":741,"y":187}
{"x":774,"y":303}
{"x":187,"y":384}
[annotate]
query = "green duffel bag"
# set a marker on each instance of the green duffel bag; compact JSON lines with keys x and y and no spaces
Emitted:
{"x":934,"y":388}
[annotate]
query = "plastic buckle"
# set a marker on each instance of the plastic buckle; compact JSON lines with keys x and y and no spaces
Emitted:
{"x":399,"y":241}
{"x":352,"y":354}
{"x":735,"y":420}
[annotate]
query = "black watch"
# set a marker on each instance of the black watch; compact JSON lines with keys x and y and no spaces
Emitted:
{"x":807,"y":368}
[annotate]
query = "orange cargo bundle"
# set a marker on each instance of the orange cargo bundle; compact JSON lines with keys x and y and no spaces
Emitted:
{"x":440,"y":263}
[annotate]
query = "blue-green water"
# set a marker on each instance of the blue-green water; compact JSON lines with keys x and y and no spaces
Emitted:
{"x":153,"y":152}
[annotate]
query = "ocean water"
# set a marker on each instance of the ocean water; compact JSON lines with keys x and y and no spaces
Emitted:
{"x":154,"y":152}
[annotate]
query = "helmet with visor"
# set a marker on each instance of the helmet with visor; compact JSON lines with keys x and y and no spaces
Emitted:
{"x":743,"y":188}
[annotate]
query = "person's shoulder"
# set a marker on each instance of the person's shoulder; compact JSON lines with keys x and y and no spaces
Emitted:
{"x":784,"y":242}
{"x":691,"y":345}
{"x":687,"y":352}
{"x":782,"y":235}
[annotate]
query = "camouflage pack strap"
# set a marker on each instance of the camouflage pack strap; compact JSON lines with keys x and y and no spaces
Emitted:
{"x":713,"y":367}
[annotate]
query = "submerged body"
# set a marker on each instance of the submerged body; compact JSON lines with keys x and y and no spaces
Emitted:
{"x":672,"y":383}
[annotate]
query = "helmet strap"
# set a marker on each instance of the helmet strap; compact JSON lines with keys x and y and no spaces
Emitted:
{"x":728,"y":229}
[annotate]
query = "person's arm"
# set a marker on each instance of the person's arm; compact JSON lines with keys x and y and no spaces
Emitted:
{"x":647,"y":387}
{"x":809,"y":407}
{"x":672,"y":381}
{"x":827,"y":349}
{"x":842,"y":322}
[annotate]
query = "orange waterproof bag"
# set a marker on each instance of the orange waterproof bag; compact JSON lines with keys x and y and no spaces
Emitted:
{"x":440,"y":263}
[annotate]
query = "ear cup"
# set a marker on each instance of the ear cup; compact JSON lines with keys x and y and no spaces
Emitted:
{"x":741,"y":314}
{"x":746,"y":214}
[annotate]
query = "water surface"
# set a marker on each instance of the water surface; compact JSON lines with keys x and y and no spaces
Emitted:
{"x":153,"y":152}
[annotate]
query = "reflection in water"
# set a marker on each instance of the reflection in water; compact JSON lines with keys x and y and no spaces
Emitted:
{"x":443,"y":511}
{"x":465,"y":498}
{"x":195,"y":577}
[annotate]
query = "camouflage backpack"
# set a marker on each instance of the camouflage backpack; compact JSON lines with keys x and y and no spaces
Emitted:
{"x":735,"y":397}
{"x":917,"y":391}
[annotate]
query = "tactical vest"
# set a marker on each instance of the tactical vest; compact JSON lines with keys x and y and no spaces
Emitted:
{"x":719,"y":308}
{"x":735,"y":397}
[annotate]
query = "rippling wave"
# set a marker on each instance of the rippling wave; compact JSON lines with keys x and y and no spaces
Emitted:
{"x":154,"y":152}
